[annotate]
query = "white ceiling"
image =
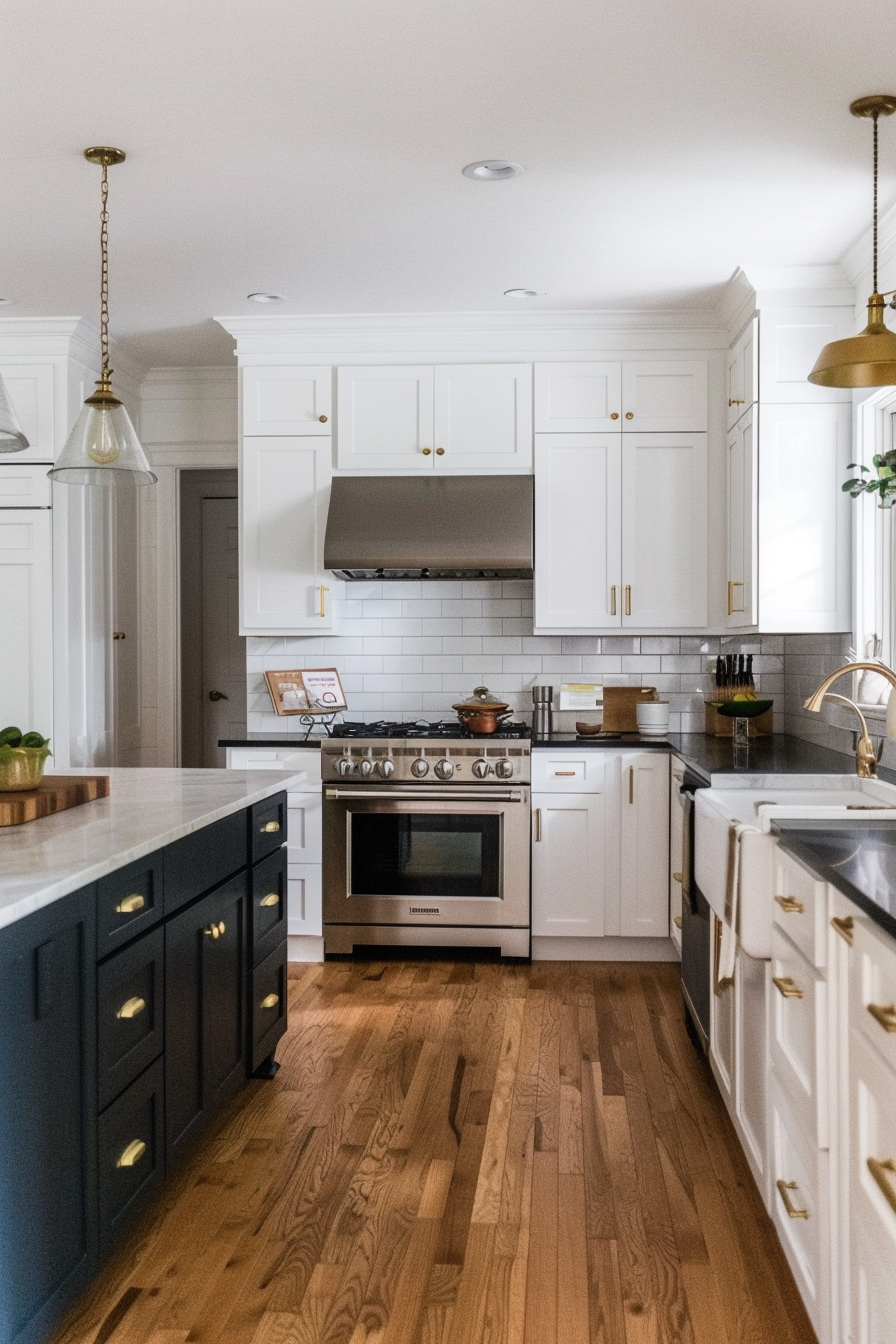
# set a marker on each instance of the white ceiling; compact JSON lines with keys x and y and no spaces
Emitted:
{"x":314,"y":148}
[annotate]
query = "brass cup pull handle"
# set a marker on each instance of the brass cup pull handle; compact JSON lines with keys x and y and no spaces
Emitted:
{"x":790,"y":905}
{"x":882,"y":1172}
{"x":270,"y":828}
{"x":784,"y":1188}
{"x":677,"y":877}
{"x":215,"y":930}
{"x":270,"y":1001}
{"x":788,"y":989}
{"x":440,"y":452}
{"x":131,"y":1008}
{"x":628,"y":599}
{"x":426,"y":451}
{"x":132,"y":1154}
{"x":322,"y":419}
{"x":844,"y":927}
{"x":537,"y":819}
{"x":119,"y":634}
{"x":629,"y":415}
{"x":614,"y":415}
{"x":884,"y":1016}
{"x":677,"y":921}
{"x":612,"y":599}
{"x":272,"y":898}
{"x":131,"y":904}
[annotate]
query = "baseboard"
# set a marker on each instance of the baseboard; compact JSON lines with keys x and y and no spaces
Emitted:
{"x":604,"y":949}
{"x":300,"y":947}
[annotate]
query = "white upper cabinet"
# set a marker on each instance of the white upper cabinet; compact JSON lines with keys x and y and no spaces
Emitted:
{"x":664,"y":396}
{"x":287,"y":399}
{"x":742,"y":550}
{"x":468,"y":418}
{"x":743,"y":372}
{"x":30,"y":388}
{"x":578,"y":529}
{"x":26,"y":600}
{"x":284,"y":493}
{"x":664,"y":531}
{"x":584,"y":397}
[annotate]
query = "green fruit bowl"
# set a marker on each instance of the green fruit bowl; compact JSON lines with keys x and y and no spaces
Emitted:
{"x":21,"y":768}
{"x":742,"y":709}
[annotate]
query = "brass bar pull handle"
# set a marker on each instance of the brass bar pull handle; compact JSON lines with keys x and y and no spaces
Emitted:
{"x":270,"y":1001}
{"x":612,"y":599}
{"x":730,"y":598}
{"x":119,"y":634}
{"x":844,"y":927}
{"x":736,"y":583}
{"x":735,"y":401}
{"x":784,"y":1188}
{"x":564,"y":774}
{"x":631,"y":784}
{"x":677,"y":877}
{"x":537,"y":824}
{"x":131,"y":904}
{"x":131,"y":1008}
{"x":272,"y":898}
{"x":882,"y":1171}
{"x":628,"y":599}
{"x":270,"y":828}
{"x":884,"y":1016}
{"x":677,"y":921}
{"x":322,"y":608}
{"x":790,"y":905}
{"x":132,"y":1154}
{"x":788,"y":989}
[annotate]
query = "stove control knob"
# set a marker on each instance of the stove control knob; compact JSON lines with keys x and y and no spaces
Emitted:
{"x":344,"y":766}
{"x":386,"y":768}
{"x":481,"y":769}
{"x":504,"y":769}
{"x":366,"y":767}
{"x":443,"y":769}
{"x":419,"y":767}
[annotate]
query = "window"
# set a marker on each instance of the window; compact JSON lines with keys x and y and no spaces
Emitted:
{"x":875,"y":550}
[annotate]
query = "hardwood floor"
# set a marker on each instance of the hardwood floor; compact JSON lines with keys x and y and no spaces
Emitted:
{"x":463,"y":1154}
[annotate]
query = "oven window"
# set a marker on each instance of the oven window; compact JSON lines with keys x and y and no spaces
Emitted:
{"x":420,"y":855}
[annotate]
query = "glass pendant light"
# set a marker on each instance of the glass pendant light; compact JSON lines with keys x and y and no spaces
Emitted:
{"x":12,"y":440}
{"x":869,"y":359}
{"x":103,"y":448}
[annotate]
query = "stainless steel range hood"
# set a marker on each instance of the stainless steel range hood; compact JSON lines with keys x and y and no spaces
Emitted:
{"x":431,"y":527}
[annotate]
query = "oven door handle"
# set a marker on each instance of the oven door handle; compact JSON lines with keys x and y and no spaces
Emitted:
{"x":458,"y":795}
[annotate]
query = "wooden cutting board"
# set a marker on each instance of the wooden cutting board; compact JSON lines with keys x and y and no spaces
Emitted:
{"x":620,"y":704}
{"x":55,"y":793}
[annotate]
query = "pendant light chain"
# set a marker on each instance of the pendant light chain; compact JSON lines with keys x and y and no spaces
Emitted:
{"x":104,"y":270}
{"x":874,"y":285}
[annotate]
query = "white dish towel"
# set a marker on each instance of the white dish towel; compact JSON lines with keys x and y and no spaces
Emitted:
{"x":728,"y":943}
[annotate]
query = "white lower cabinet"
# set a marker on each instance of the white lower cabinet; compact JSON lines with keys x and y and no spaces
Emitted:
{"x":800,"y":1207}
{"x":644,"y":837}
{"x":304,"y":893}
{"x":569,"y":835}
{"x":676,"y":849}
{"x":738,"y":1053}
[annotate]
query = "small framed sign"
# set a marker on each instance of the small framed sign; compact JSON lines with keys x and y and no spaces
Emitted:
{"x":306,"y":691}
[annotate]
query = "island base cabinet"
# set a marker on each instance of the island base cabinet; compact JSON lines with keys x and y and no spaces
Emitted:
{"x":131,"y":1152}
{"x":47,"y":1116}
{"x":205,"y":1051}
{"x":268,"y":1008}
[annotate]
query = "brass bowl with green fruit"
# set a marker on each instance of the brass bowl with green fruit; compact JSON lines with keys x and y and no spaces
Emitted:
{"x":742,"y":709}
{"x":22,"y":760}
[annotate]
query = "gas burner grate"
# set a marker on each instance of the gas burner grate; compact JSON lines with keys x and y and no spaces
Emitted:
{"x":423,"y":728}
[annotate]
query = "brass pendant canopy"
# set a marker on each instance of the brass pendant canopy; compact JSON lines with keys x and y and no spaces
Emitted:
{"x":103,"y":448}
{"x":869,"y":359}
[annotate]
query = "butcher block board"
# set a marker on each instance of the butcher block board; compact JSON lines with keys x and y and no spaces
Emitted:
{"x":55,"y":793}
{"x":620,"y":706}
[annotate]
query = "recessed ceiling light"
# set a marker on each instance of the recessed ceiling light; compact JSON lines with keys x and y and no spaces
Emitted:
{"x":492,"y":170}
{"x":521,"y":293}
{"x":265,"y":298}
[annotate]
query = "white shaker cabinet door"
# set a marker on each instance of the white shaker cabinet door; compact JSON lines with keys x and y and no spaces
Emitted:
{"x":483,"y":418}
{"x":743,"y":372}
{"x":644,"y":848}
{"x":569,"y":839}
{"x":26,"y":600}
{"x":385,"y":418}
{"x":664,"y":531}
{"x":664,"y":396}
{"x":740,"y":605}
{"x":581,"y":397}
{"x":287,"y":399}
{"x":284,"y":493}
{"x":578,"y":534}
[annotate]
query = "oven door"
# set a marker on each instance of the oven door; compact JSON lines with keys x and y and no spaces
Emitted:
{"x":431,"y":856}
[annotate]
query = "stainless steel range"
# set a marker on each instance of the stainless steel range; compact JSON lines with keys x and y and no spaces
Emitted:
{"x":426,"y":837}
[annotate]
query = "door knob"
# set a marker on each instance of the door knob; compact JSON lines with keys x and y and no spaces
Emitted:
{"x":217,"y":695}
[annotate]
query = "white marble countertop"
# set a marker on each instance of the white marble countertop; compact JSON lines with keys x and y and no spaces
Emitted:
{"x":45,"y":859}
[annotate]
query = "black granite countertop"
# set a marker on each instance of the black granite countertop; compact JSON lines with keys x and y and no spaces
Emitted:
{"x":856,"y":857}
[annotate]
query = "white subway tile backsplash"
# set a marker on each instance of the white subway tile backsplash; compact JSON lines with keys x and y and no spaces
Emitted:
{"x":403,"y":663}
{"x":503,"y":644}
{"x":443,"y":625}
{"x":562,"y":665}
{"x":482,"y":625}
{"x":462,"y":644}
{"x":424,"y":606}
{"x":444,"y":663}
{"x":425,"y":644}
{"x":479,"y":589}
{"x":517,"y":625}
{"x":403,"y":625}
{"x":602,"y":664}
{"x":522,"y":663}
{"x":637,"y":662}
{"x":502,"y":606}
{"x":383,"y":644}
{"x":468,"y":607}
{"x":482,"y":664}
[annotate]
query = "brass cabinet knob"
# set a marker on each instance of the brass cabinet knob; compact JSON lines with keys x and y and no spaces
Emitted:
{"x":132,"y":1154}
{"x":272,"y":898}
{"x":426,"y":451}
{"x":614,"y":415}
{"x":629,"y":415}
{"x":131,"y":904}
{"x":270,"y":828}
{"x":270,"y":1001}
{"x":322,"y":419}
{"x":440,"y":452}
{"x":131,"y":1008}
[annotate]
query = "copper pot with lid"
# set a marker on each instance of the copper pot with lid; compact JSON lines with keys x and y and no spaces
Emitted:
{"x":482,"y":712}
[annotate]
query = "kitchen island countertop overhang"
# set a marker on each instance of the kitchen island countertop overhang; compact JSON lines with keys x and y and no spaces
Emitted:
{"x":41,"y":861}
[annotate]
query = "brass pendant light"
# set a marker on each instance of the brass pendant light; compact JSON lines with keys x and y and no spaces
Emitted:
{"x":869,"y":359}
{"x":103,"y":448}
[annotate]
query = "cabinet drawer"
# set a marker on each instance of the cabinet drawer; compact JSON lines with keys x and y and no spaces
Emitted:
{"x":267,"y":1015}
{"x":872,"y":1178}
{"x":872,"y":988}
{"x":268,"y":920}
{"x":130,"y":1014}
{"x":799,"y":1209}
{"x":128,"y":901}
{"x":202,"y":860}
{"x":568,"y":771}
{"x":131,"y":1152}
{"x":798,"y":1033}
{"x":267,"y":826}
{"x":800,"y":907}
